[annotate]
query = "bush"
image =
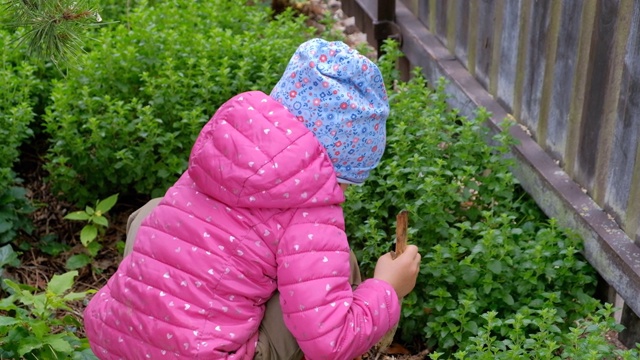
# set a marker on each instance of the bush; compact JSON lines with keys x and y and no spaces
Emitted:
{"x":42,"y":325}
{"x":486,"y":246}
{"x":19,"y":91}
{"x":16,"y":105}
{"x":125,"y":119}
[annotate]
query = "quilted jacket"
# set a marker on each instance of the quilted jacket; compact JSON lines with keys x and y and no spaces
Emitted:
{"x":256,"y":211}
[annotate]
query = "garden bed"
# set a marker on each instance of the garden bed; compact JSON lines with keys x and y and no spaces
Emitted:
{"x":499,"y":279}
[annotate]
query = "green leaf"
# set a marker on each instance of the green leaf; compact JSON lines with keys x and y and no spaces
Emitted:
{"x":89,"y":210}
{"x":61,"y":283}
{"x":78,"y":261}
{"x":100,"y":220}
{"x":58,"y":343}
{"x":508,"y":299}
{"x":8,"y":256}
{"x":71,"y":320}
{"x":471,"y":326}
{"x":39,"y":328}
{"x":85,"y":354}
{"x":15,"y":287}
{"x":106,"y":204}
{"x":29,"y":344}
{"x":6,"y":321}
{"x":77,"y":215}
{"x":495,"y":266}
{"x":93,"y":248}
{"x":74,"y":296}
{"x":88,"y":234}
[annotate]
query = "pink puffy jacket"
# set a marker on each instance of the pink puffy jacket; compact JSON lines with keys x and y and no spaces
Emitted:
{"x":257,"y":210}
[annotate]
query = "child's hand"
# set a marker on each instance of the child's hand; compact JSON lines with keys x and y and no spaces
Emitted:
{"x":400,"y":273}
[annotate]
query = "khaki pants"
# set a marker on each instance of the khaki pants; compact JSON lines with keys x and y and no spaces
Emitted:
{"x":275,"y":342}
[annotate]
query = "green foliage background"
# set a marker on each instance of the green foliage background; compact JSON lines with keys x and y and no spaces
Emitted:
{"x":498,"y":279}
{"x":486,"y":246}
{"x":124,"y":119}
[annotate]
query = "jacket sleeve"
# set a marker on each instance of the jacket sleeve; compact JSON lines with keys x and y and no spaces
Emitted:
{"x":329,"y":319}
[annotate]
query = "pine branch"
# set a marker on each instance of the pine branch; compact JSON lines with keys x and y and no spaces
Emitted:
{"x":54,"y":27}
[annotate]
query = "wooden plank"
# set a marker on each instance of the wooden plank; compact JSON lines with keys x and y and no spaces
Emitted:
{"x":551,"y":46}
{"x":579,"y":88}
{"x":630,"y":98}
{"x":452,"y":19}
{"x":441,"y":20}
{"x":523,"y":34}
{"x":423,"y":12}
{"x":495,"y":47}
{"x":611,"y":96}
{"x":472,"y":37}
{"x":432,"y":15}
{"x":591,"y":123}
{"x":412,"y":5}
{"x":462,"y":30}
{"x":563,"y":78}
{"x":508,"y":53}
{"x":631,"y":333}
{"x":623,"y":161}
{"x":535,"y":65}
{"x":607,"y":247}
{"x":633,"y":211}
{"x":484,"y":40}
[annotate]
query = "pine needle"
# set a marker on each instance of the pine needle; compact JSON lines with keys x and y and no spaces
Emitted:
{"x":54,"y":27}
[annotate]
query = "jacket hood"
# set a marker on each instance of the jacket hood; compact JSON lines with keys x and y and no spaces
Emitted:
{"x":254,"y":153}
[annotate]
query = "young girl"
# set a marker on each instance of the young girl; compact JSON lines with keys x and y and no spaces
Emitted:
{"x":246,"y":255}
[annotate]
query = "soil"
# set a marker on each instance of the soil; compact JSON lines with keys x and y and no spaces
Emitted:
{"x":37,"y":267}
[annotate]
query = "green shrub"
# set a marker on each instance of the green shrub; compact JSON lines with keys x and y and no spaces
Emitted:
{"x":15,"y":208}
{"x":19,"y":91}
{"x":17,"y":99}
{"x":585,"y":340}
{"x":486,"y":246}
{"x":35,"y":327}
{"x":126,"y":117}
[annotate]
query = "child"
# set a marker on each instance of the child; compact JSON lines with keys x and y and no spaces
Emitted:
{"x":246,"y":255}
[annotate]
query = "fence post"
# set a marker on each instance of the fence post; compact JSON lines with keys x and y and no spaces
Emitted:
{"x":384,"y":26}
{"x":630,"y":336}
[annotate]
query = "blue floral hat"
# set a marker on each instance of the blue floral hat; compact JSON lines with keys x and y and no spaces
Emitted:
{"x":338,"y":94}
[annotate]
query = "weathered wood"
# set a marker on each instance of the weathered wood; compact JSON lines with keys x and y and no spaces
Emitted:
{"x":550,"y":50}
{"x":441,"y":20}
{"x":611,"y":97}
{"x":423,"y":12}
{"x":484,"y":41}
{"x":523,"y":34}
{"x":508,"y":53}
{"x":535,"y":64}
{"x":623,"y":163}
{"x":452,"y":19}
{"x":462,"y":30}
{"x":579,"y":88}
{"x":494,"y":64}
{"x":598,"y":78}
{"x":472,"y":47}
{"x":432,"y":15}
{"x":631,"y":334}
{"x":412,"y":5}
{"x":563,"y":78}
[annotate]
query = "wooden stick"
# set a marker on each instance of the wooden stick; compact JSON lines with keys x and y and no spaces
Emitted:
{"x":402,"y":224}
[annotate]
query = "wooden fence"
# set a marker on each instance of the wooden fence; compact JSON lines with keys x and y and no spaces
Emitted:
{"x":569,"y":73}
